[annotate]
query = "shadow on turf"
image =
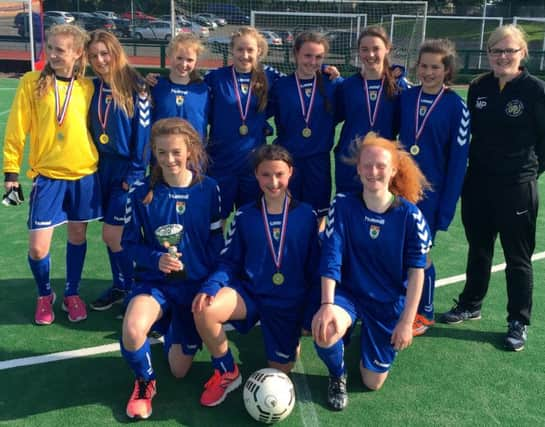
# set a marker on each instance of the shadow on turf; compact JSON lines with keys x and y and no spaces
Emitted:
{"x":464,"y":333}
{"x":18,"y":302}
{"x":97,"y":389}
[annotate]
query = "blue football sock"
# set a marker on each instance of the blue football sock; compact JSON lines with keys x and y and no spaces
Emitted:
{"x":425,"y":308}
{"x":40,"y":270}
{"x":126,"y":268}
{"x":139,"y":360}
{"x":333,"y":357}
{"x":117,"y":278}
{"x":225,"y":363}
{"x":75,"y":257}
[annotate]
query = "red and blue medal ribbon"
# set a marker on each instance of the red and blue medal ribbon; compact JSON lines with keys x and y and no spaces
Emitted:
{"x":277,"y":258}
{"x":306,"y":113}
{"x":61,"y":111}
{"x":372,"y":117}
{"x":243,"y":113}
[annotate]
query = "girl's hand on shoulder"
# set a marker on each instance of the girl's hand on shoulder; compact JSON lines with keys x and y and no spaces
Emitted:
{"x":402,"y":337}
{"x":200,"y":301}
{"x":332,"y":72}
{"x":152,"y":79}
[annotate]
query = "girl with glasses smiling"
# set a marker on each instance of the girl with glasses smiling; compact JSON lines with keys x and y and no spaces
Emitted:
{"x":507,"y":153}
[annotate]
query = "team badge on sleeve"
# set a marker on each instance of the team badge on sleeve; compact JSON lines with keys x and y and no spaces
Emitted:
{"x":180,"y":208}
{"x":374,"y":231}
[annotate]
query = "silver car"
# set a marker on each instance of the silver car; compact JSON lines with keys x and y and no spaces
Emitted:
{"x":155,"y":30}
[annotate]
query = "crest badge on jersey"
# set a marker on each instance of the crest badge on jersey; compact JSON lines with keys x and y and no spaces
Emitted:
{"x":423,"y":110}
{"x":514,"y":108}
{"x":179,"y":100}
{"x":276,"y":233}
{"x":244,"y":88}
{"x":308,"y":92}
{"x":373,"y":95}
{"x":374,"y":231}
{"x":108,"y":99}
{"x":180,"y":207}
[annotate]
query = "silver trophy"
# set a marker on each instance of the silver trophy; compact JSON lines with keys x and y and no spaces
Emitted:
{"x":169,"y":236}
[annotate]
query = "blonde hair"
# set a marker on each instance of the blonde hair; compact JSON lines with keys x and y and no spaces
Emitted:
{"x":124,"y":79}
{"x":197,"y":160}
{"x":509,"y":30}
{"x":409,"y":181}
{"x":188,"y":41}
{"x":258,"y":80}
{"x":79,"y":37}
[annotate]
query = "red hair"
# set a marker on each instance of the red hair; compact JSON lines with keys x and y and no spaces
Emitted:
{"x":409,"y":181}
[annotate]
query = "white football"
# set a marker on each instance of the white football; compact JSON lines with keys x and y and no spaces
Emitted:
{"x":269,"y":395}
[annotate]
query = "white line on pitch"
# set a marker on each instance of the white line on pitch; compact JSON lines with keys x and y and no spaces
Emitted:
{"x":108,"y":348}
{"x":307,"y":411}
{"x":3,"y":113}
{"x":461,"y":277}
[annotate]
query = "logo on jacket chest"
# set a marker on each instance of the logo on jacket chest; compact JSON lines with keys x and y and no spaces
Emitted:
{"x":480,"y":103}
{"x":514,"y":108}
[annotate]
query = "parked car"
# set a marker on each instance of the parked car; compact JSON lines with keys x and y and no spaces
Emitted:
{"x":138,"y":14}
{"x":221,"y":22}
{"x":122,"y":28}
{"x":219,"y":44}
{"x":232,"y":13}
{"x":341,"y":41}
{"x":272,"y":39}
{"x":155,"y":30}
{"x":60,"y":17}
{"x":285,"y":35}
{"x":197,"y":29}
{"x":205,"y":22}
{"x":107,"y":14}
{"x":20,"y":21}
{"x":90,"y":22}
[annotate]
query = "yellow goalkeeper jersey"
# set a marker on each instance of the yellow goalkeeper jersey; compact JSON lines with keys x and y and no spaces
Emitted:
{"x":64,"y":151}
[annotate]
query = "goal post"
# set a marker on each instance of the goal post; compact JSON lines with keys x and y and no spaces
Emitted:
{"x":343,"y":20}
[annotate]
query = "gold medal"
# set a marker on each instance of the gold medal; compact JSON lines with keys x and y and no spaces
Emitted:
{"x":414,"y":150}
{"x":278,"y":278}
{"x":60,"y":136}
{"x":243,"y":130}
{"x":103,"y":138}
{"x":306,"y":132}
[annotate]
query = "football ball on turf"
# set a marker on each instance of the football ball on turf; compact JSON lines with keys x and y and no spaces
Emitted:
{"x":269,"y":395}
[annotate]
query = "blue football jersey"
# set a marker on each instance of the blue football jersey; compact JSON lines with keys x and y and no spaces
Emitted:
{"x":126,"y":140}
{"x":285,"y":105}
{"x":247,"y":256}
{"x":227,"y":147}
{"x":368,"y":253}
{"x":443,"y":146}
{"x":196,"y":208}
{"x":189,"y":102}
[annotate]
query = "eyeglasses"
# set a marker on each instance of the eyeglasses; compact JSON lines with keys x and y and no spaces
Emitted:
{"x":506,"y":52}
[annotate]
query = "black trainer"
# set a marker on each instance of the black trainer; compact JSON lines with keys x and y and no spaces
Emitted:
{"x":337,"y":398}
{"x":517,"y":334}
{"x":108,"y":298}
{"x":458,"y":313}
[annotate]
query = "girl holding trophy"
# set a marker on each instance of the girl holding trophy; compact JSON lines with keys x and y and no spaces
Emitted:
{"x":264,"y":274}
{"x":176,"y":205}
